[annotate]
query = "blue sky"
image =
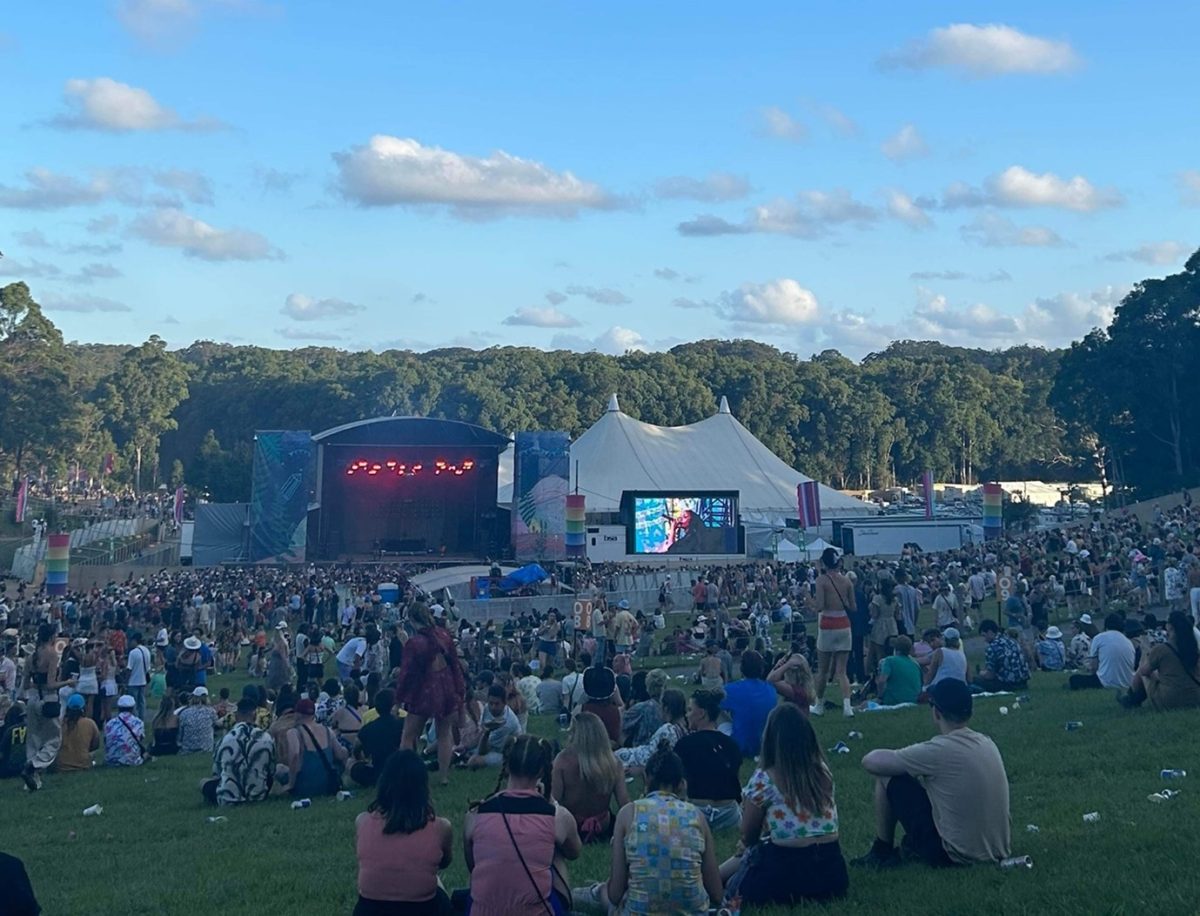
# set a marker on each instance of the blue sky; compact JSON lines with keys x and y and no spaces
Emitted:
{"x":599,"y":176}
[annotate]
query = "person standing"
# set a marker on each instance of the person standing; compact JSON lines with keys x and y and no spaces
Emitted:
{"x":138,"y":667}
{"x":835,"y":604}
{"x":43,"y":735}
{"x":949,"y":793}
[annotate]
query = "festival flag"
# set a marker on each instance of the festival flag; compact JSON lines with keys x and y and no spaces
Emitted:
{"x":927,"y":488}
{"x":576,"y":535}
{"x":808,"y":503}
{"x":179,"y":506}
{"x":108,"y":464}
{"x":22,"y":500}
{"x":58,"y":564}
{"x":993,"y":510}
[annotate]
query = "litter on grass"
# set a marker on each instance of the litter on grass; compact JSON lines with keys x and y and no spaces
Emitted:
{"x":1091,"y":817}
{"x":93,"y":810}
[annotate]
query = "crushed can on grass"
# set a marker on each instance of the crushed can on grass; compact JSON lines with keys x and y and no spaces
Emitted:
{"x":219,"y":819}
{"x":1074,"y":726}
{"x":344,"y":795}
{"x":1032,"y":828}
{"x":1004,"y":710}
{"x":93,"y":810}
{"x":1164,"y":795}
{"x":1017,"y":862}
{"x":1172,"y":774}
{"x":840,"y":748}
{"x":1091,"y":817}
{"x":301,"y":803}
{"x":856,"y":735}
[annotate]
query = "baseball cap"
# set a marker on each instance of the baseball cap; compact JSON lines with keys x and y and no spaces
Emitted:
{"x":437,"y":610}
{"x":623,"y":605}
{"x":75,"y":701}
{"x":200,"y":692}
{"x":125,"y":701}
{"x":306,"y":707}
{"x":282,"y":625}
{"x":951,"y":633}
{"x":952,"y":698}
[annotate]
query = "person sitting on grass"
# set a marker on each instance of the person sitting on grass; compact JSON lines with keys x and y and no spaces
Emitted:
{"x":123,"y":735}
{"x":789,"y":850}
{"x":1169,"y":675}
{"x":499,"y":723}
{"x":1080,"y":646}
{"x":899,"y":677}
{"x":949,"y":793}
{"x":314,"y":755}
{"x":664,"y":858}
{"x":1005,"y":667}
{"x":948,"y":659}
{"x":244,"y":762}
{"x":749,"y":701}
{"x":1111,"y":658}
{"x":1051,"y":654}
{"x":516,"y":842}
{"x":197,"y":723}
{"x":378,"y":740}
{"x":600,"y":687}
{"x":80,"y":737}
{"x":674,"y":713}
{"x":711,"y":762}
{"x":644,"y":717}
{"x":587,"y":776}
{"x":792,"y":679}
{"x":402,"y":844}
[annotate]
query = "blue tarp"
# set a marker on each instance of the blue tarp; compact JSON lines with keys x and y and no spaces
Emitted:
{"x":519,"y":578}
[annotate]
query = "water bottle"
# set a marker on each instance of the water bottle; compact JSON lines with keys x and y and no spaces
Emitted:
{"x":1017,"y":862}
{"x":1173,"y":774}
{"x":302,"y":803}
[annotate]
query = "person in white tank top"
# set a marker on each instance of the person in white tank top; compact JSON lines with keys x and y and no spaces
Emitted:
{"x":947,"y":662}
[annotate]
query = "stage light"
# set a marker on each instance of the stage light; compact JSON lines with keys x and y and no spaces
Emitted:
{"x":391,"y":464}
{"x":468,"y":464}
{"x":350,"y":472}
{"x":403,"y":469}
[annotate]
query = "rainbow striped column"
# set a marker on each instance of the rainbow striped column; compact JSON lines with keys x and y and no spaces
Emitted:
{"x":58,"y":563}
{"x":576,"y":536}
{"x":993,"y":505}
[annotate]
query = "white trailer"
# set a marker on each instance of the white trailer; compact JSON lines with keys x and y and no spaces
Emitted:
{"x":869,"y":539}
{"x":186,"y":531}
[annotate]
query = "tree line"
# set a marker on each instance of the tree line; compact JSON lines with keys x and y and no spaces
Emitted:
{"x":1122,"y":404}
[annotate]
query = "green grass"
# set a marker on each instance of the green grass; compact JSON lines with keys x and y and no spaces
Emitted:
{"x":153,"y":852}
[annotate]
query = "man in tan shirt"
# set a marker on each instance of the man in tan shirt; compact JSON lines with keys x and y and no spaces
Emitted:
{"x":949,"y":793}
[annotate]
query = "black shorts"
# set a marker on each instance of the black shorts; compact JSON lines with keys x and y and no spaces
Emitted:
{"x":910,"y":804}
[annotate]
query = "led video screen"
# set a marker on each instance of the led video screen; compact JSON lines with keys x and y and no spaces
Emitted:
{"x":683,"y":523}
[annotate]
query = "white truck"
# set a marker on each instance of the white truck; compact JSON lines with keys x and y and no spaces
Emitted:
{"x":186,"y":531}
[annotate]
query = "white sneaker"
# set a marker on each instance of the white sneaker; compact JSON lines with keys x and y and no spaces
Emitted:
{"x":847,"y":711}
{"x":817,"y":709}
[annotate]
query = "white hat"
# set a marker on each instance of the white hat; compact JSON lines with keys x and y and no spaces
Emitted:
{"x":282,"y":625}
{"x":1085,"y":618}
{"x":200,"y":692}
{"x":437,"y":610}
{"x":191,"y":643}
{"x":125,"y":701}
{"x":1084,"y":554}
{"x":1053,"y":633}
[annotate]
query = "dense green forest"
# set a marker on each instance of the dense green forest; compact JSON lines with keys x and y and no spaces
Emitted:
{"x":1123,"y":404}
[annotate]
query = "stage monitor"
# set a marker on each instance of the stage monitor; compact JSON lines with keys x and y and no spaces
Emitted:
{"x":695,"y":523}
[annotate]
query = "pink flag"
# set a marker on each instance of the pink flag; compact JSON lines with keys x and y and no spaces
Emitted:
{"x":808,"y":503}
{"x":22,"y":500}
{"x":179,"y":506}
{"x":927,"y":487}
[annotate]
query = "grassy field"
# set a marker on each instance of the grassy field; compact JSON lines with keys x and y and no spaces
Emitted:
{"x":154,"y":852}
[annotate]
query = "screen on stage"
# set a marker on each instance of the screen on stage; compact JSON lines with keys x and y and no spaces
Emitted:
{"x":683,"y":523}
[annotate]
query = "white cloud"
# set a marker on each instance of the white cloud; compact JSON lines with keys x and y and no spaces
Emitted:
{"x":996,"y":276}
{"x":305,"y":308}
{"x":107,"y":105}
{"x":92,"y":272}
{"x":1016,"y":186}
{"x":302,"y":333}
{"x":995,"y":231}
{"x":34,"y":238}
{"x":906,"y":143}
{"x":716,"y":187}
{"x":666,"y":273}
{"x":102,"y":224}
{"x":554,"y":297}
{"x":778,"y":123}
{"x":903,"y":208}
{"x":45,"y":189}
{"x":275,"y":180}
{"x":165,"y":24}
{"x":1189,"y":187}
{"x":28,"y":270}
{"x":782,"y":302}
{"x":56,"y":302}
{"x":172,"y":228}
{"x":983,"y":50}
{"x":534,"y":317}
{"x":1159,"y":253}
{"x":616,"y":341}
{"x":810,"y":214}
{"x":395,"y":171}
{"x":1057,"y":320}
{"x":603,"y":295}
{"x":841,"y":122}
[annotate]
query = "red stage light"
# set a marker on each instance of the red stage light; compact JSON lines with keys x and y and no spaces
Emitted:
{"x":391,"y":464}
{"x":350,"y":471}
{"x":468,"y":464}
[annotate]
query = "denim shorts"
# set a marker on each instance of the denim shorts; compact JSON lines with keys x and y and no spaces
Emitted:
{"x":722,"y":817}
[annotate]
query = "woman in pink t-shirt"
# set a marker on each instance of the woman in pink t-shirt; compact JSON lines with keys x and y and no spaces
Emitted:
{"x":402,"y":845}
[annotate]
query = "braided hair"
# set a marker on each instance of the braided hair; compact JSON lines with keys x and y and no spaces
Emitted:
{"x":526,"y":756}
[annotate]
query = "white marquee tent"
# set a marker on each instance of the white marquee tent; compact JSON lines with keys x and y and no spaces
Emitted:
{"x":620,"y":453}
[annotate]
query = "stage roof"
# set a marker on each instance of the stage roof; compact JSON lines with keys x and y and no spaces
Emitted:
{"x":411,"y":431}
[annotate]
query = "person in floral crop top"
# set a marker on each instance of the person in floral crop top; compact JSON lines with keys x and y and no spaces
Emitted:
{"x":789,"y":850}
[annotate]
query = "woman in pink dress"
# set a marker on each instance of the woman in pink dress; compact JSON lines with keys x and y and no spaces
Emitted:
{"x":431,"y":685}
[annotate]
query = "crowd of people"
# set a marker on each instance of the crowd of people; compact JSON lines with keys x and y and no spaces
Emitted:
{"x":348,"y":689}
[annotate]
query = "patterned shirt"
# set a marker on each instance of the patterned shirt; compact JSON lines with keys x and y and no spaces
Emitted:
{"x":664,"y":847}
{"x":1005,"y":659}
{"x":781,"y":820}
{"x":244,"y":764}
{"x":122,"y":740}
{"x":196,"y":729}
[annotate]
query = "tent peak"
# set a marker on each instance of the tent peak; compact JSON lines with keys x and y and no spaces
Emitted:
{"x":613,"y":406}
{"x":724,"y":408}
